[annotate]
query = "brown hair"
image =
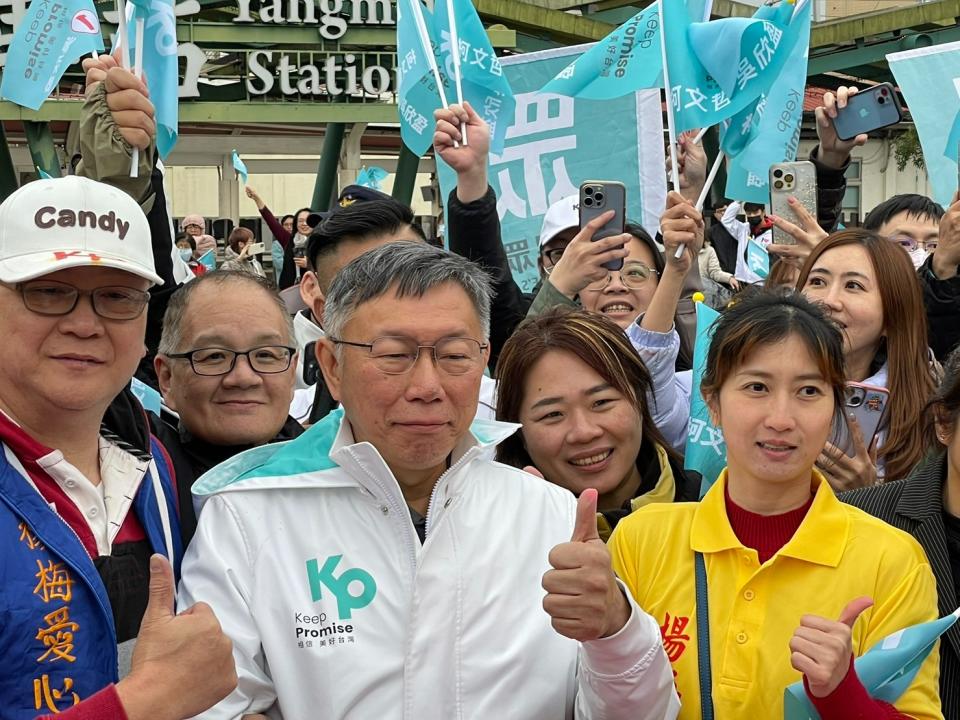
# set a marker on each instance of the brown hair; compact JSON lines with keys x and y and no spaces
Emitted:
{"x":595,"y":340}
{"x":765,"y":317}
{"x":944,"y":407}
{"x":905,"y":324}
{"x":239,"y":235}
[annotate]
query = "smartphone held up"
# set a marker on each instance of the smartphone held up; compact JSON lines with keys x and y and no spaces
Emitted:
{"x":598,"y":197}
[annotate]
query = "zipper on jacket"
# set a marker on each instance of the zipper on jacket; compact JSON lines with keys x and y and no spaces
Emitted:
{"x":467,"y":456}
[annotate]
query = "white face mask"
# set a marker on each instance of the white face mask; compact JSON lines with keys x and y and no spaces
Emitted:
{"x":186,"y":254}
{"x":918,"y":257}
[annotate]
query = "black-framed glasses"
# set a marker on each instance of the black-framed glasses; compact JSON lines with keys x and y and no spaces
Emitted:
{"x":554,"y":255}
{"x":264,"y":359}
{"x":633,"y":275}
{"x":398,"y":355}
{"x":113,"y":302}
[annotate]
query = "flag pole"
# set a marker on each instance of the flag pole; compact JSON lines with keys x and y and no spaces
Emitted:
{"x":428,"y":51}
{"x":671,"y":123}
{"x":138,"y":72}
{"x":455,"y":52}
{"x":710,"y":178}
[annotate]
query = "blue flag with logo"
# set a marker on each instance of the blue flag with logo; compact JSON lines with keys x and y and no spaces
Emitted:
{"x":160,"y":66}
{"x":886,"y":670}
{"x":718,"y":68}
{"x":929,"y":79}
{"x":371,"y":177}
{"x":50,"y":38}
{"x":626,"y":60}
{"x":706,"y":450}
{"x":482,"y":80}
{"x":418,"y":95}
{"x":768,"y":131}
{"x":209,"y":260}
{"x":239,"y":166}
{"x":758,"y":259}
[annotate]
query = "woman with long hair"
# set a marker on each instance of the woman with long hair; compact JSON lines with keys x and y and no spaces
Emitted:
{"x":770,"y":579}
{"x":927,"y":505}
{"x":869,"y":288}
{"x":574,"y":382}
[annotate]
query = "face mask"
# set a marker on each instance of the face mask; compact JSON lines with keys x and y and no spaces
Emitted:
{"x":754,"y":221}
{"x":918,"y":257}
{"x":186,"y":254}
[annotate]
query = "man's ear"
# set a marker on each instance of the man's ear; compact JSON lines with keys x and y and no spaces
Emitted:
{"x":161,"y":366}
{"x":312,"y":296}
{"x":330,"y":366}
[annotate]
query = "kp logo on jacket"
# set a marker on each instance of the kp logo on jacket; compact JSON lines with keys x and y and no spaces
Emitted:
{"x":353,"y":589}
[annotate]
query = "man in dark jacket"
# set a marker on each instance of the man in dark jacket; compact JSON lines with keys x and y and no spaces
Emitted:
{"x":226,"y":366}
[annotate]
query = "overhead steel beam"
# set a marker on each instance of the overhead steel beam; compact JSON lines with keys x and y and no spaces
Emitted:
{"x":843,"y":59}
{"x":565,"y":27}
{"x":896,"y":20}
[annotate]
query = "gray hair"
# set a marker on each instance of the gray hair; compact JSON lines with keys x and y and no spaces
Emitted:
{"x":171,"y":340}
{"x":413,"y":268}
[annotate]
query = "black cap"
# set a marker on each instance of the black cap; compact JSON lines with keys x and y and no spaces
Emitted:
{"x":358,"y":193}
{"x":315,"y":218}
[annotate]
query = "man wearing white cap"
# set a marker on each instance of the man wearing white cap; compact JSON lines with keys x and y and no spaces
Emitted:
{"x":87,"y":501}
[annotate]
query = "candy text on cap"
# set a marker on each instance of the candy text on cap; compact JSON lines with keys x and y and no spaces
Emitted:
{"x":47,"y":217}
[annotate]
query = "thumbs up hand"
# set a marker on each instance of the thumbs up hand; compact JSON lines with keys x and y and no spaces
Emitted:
{"x":821,"y":648}
{"x":182,"y":664}
{"x":583,"y":597}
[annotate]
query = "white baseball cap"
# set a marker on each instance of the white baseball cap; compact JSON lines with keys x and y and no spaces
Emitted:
{"x":57,"y":224}
{"x":562,"y":215}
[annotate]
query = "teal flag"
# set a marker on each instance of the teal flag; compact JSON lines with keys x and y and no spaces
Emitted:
{"x":371,"y":177}
{"x":209,"y":260}
{"x":887,"y":670}
{"x":418,"y":94}
{"x":49,"y":39}
{"x":239,"y":166}
{"x":758,"y":259}
{"x":628,"y":59}
{"x":706,"y":450}
{"x":929,"y":79}
{"x":553,"y":143}
{"x":148,"y":397}
{"x":718,"y":68}
{"x":160,"y":66}
{"x":482,"y":80}
{"x":768,"y":131}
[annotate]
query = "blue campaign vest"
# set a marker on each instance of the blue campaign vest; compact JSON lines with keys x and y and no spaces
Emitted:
{"x":56,"y":628}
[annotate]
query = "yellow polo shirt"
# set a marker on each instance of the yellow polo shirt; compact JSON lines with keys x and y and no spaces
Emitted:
{"x":837,"y":554}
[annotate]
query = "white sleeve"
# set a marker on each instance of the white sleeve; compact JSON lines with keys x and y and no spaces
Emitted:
{"x":739,"y":230}
{"x":669,"y":405}
{"x":217,"y":570}
{"x":626,"y":676}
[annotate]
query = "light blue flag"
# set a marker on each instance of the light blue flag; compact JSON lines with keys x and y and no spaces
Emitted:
{"x":553,"y":143}
{"x":44,"y":175}
{"x":929,"y":79}
{"x":887,"y":670}
{"x":371,"y":177}
{"x":626,"y":60}
{"x":50,"y":38}
{"x":148,"y":397}
{"x":758,"y":259}
{"x":768,"y":131}
{"x":209,"y":259}
{"x":160,"y":66}
{"x":706,"y":451}
{"x":418,"y":95}
{"x":239,"y":166}
{"x":482,"y":80}
{"x":718,"y":68}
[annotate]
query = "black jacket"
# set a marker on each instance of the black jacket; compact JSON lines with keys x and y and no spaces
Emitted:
{"x":193,"y":457}
{"x":942,"y":301}
{"x":473,"y":230}
{"x":915,"y":505}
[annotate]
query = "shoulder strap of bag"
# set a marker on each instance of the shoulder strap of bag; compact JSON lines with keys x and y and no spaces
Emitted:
{"x":703,"y":640}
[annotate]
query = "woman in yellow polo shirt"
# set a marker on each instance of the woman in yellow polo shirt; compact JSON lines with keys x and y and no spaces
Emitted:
{"x":796,"y":583}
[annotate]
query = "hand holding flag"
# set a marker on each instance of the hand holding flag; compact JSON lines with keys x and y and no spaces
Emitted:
{"x":127,"y":97}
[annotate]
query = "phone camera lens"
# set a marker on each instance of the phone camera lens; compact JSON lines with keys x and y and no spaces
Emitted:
{"x":882,"y":101}
{"x":588,"y":201}
{"x":588,"y":190}
{"x":778,"y":184}
{"x":778,"y":173}
{"x":788,"y":178}
{"x":598,"y":196}
{"x":855,"y":401}
{"x":883,"y":91}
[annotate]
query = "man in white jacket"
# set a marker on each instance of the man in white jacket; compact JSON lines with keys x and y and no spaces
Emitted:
{"x":380,"y":566}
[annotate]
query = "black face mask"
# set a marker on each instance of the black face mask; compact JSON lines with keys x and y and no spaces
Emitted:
{"x":754,"y":221}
